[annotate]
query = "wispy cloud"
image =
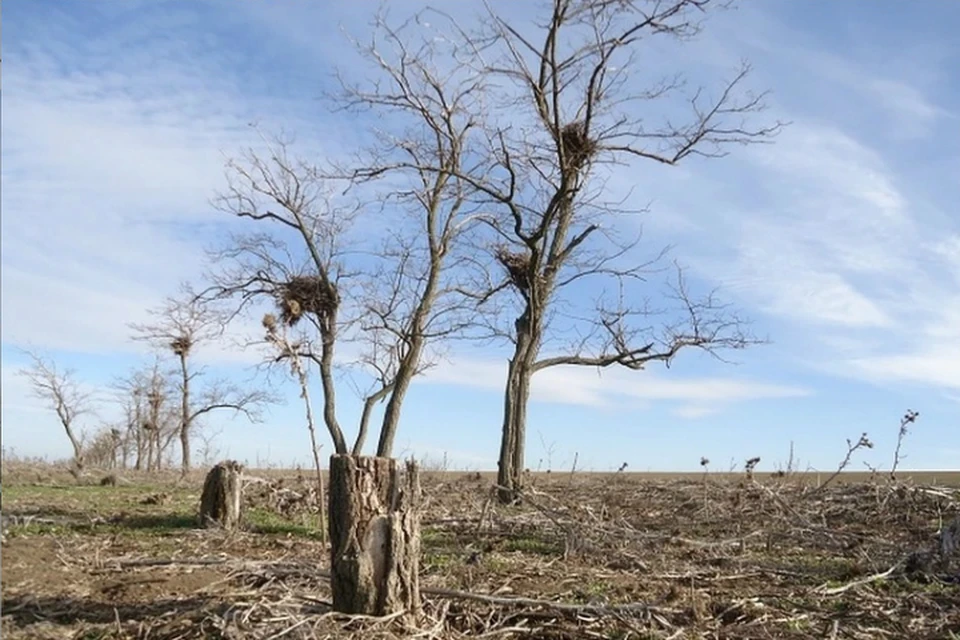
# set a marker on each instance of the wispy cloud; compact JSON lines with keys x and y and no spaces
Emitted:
{"x":830,"y":242}
{"x":107,"y":175}
{"x":615,"y":388}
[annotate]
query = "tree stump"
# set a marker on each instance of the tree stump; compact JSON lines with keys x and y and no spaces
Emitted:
{"x":374,"y":520}
{"x":220,"y":501}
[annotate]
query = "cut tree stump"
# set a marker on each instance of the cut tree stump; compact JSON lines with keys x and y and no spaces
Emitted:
{"x":374,"y":520}
{"x":220,"y":501}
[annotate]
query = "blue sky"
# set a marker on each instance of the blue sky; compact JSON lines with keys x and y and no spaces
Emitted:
{"x":841,"y":241}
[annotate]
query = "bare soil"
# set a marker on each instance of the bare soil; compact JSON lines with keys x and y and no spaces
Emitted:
{"x":585,"y":556}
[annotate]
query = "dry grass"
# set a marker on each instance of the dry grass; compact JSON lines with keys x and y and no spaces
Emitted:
{"x":586,"y":556}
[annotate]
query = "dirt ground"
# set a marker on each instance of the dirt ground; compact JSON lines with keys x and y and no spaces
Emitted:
{"x":585,"y":556}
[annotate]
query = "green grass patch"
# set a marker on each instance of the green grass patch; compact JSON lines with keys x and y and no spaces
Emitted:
{"x":438,"y":561}
{"x":532,"y":545}
{"x":129,"y":525}
{"x":268,"y":522}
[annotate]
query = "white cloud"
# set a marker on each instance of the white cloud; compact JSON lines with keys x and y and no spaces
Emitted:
{"x":613,"y":388}
{"x":939,"y":367}
{"x":826,"y":218}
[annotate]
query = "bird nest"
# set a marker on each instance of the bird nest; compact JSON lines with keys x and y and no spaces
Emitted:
{"x":305,"y":294}
{"x":578,"y":147}
{"x":517,"y":265}
{"x":181,"y":345}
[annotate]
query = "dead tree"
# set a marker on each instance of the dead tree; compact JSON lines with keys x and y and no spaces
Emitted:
{"x":220,"y":502}
{"x":63,"y":393}
{"x":564,"y":109}
{"x":183,"y":325}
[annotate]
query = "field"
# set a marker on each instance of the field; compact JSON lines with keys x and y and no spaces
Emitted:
{"x":639,"y":556}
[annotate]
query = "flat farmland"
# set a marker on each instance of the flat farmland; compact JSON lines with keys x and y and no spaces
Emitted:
{"x":587,"y":555}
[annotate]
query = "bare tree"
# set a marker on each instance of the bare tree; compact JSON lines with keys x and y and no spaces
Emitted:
{"x":182,"y":325}
{"x":159,"y":415}
{"x":64,"y":394}
{"x":399,"y":302}
{"x":299,"y":267}
{"x":403,"y":297}
{"x":102,"y":450}
{"x":568,"y":110}
{"x":131,"y":392}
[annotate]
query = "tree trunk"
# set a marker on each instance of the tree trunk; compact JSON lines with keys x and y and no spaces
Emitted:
{"x":185,"y":415}
{"x":505,"y":476}
{"x":374,"y":536}
{"x":516,"y":396}
{"x":220,"y":501}
{"x":77,"y":447}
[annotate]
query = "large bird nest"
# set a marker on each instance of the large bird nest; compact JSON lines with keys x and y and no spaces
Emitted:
{"x":578,"y":147}
{"x":181,"y":345}
{"x":517,"y":265}
{"x":305,"y":294}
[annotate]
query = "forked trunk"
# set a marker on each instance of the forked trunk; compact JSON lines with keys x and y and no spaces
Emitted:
{"x":516,"y":396}
{"x":220,"y":501}
{"x":374,"y":521}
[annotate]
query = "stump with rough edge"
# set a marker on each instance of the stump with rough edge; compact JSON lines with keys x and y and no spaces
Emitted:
{"x":220,"y":501}
{"x":374,"y":536}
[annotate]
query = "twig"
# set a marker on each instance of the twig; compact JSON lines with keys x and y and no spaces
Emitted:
{"x":861,"y":582}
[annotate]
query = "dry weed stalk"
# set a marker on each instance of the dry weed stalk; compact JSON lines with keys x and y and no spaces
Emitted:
{"x":852,"y":447}
{"x":908,"y":418}
{"x":277,"y":336}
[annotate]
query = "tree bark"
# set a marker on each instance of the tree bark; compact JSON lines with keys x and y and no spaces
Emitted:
{"x":220,"y":501}
{"x":374,"y":536}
